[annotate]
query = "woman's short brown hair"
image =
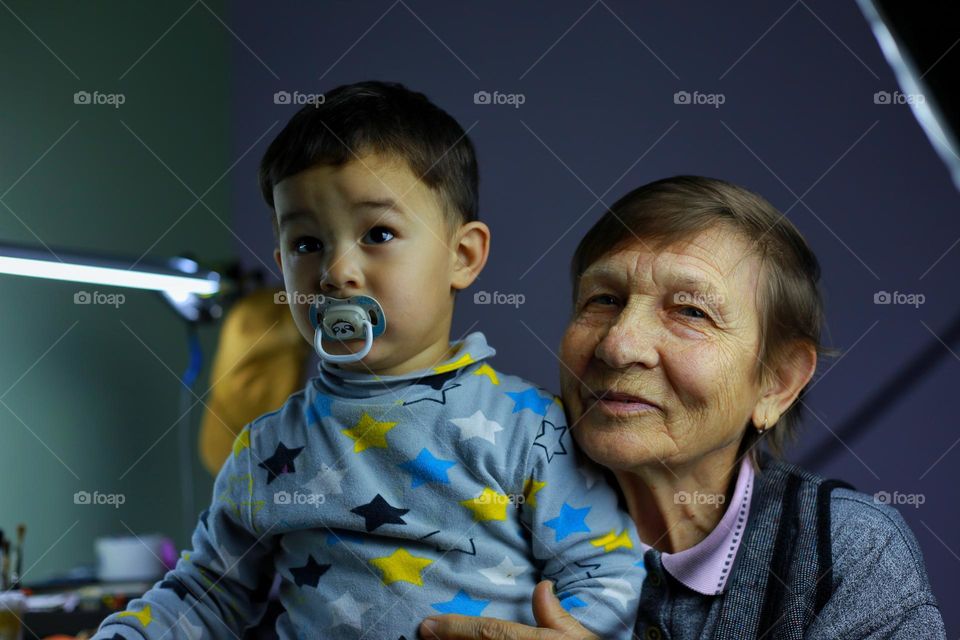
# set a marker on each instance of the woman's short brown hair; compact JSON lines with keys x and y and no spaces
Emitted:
{"x":677,"y":209}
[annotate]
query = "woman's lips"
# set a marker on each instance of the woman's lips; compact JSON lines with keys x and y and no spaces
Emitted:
{"x":620,"y":404}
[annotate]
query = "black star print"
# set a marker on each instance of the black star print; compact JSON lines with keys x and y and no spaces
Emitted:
{"x":176,"y":586}
{"x":583,"y":565}
{"x":436,"y":382}
{"x":473,"y":546}
{"x":378,"y":512}
{"x":280,"y":462}
{"x":551,"y":441}
{"x":309,"y":574}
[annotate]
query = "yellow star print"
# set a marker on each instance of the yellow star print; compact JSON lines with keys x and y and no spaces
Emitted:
{"x":489,"y":505}
{"x":369,"y":433}
{"x":401,"y":566}
{"x":143,"y":616}
{"x":530,"y":489}
{"x":613,"y":541}
{"x":462,"y":361}
{"x":241,"y":442}
{"x":487,"y":370}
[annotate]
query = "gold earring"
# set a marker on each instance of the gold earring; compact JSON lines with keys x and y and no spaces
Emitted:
{"x":763,"y":429}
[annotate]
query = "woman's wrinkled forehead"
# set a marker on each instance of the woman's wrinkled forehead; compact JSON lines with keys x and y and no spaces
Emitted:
{"x":721,"y":263}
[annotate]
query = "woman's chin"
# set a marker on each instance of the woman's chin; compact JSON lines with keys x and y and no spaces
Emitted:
{"x":618,"y":444}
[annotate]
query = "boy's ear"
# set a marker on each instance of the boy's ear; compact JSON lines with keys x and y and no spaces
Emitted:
{"x":471,"y":248}
{"x":276,"y":258}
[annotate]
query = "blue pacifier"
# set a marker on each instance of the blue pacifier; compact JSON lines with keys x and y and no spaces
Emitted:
{"x":353,"y":318}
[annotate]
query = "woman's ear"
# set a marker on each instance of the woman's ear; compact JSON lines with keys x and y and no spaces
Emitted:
{"x":785,"y":382}
{"x":471,"y":247}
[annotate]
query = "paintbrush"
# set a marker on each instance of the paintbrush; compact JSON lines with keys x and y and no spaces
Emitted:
{"x":18,"y":555}
{"x":6,"y":564}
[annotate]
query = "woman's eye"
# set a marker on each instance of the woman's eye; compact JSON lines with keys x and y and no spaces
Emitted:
{"x":305,"y":245}
{"x":700,"y":315}
{"x":378,"y":235}
{"x":602,"y":299}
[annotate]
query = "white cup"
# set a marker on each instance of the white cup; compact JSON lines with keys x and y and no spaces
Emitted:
{"x":130,"y":558}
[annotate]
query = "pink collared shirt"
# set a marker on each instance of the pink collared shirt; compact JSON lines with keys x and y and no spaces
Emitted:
{"x":706,"y":566}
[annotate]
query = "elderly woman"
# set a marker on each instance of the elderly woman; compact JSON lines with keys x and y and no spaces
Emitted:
{"x":695,"y":331}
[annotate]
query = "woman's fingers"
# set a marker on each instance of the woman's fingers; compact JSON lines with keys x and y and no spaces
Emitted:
{"x":456,"y":627}
{"x":551,"y":615}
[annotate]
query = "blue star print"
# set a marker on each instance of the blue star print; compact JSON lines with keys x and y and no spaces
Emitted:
{"x":462,"y":604}
{"x":530,"y":399}
{"x":427,"y":468}
{"x":319,"y":409}
{"x":569,"y":601}
{"x":569,"y":521}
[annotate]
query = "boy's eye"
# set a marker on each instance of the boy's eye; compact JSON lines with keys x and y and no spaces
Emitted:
{"x":378,"y":235}
{"x":305,"y":245}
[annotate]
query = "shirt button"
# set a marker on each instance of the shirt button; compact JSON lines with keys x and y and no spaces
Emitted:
{"x":652,"y":633}
{"x":654,"y":579}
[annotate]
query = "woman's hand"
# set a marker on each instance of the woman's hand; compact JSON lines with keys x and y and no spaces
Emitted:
{"x":554,"y":623}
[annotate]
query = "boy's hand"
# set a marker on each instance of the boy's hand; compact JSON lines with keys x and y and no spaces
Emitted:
{"x":554,"y":623}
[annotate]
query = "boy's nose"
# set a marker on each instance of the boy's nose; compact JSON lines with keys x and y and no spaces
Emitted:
{"x":341,"y":277}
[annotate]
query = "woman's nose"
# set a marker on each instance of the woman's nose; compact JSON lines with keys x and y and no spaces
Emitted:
{"x":628,"y":342}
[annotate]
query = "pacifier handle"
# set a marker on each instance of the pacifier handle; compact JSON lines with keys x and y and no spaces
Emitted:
{"x":347,"y":357}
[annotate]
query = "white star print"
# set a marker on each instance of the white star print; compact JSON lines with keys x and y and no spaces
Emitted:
{"x":477,"y":426}
{"x":327,"y":481}
{"x":504,"y":573}
{"x":589,"y":475}
{"x":618,"y":589}
{"x":347,"y":610}
{"x":189,"y":630}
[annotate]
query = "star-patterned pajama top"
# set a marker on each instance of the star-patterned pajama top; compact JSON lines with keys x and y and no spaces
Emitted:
{"x":382,"y":500}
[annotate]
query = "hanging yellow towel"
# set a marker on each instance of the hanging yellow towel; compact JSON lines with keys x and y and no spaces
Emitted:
{"x":259,"y":362}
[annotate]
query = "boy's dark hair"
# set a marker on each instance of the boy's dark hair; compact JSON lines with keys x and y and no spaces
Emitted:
{"x":379,"y":117}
